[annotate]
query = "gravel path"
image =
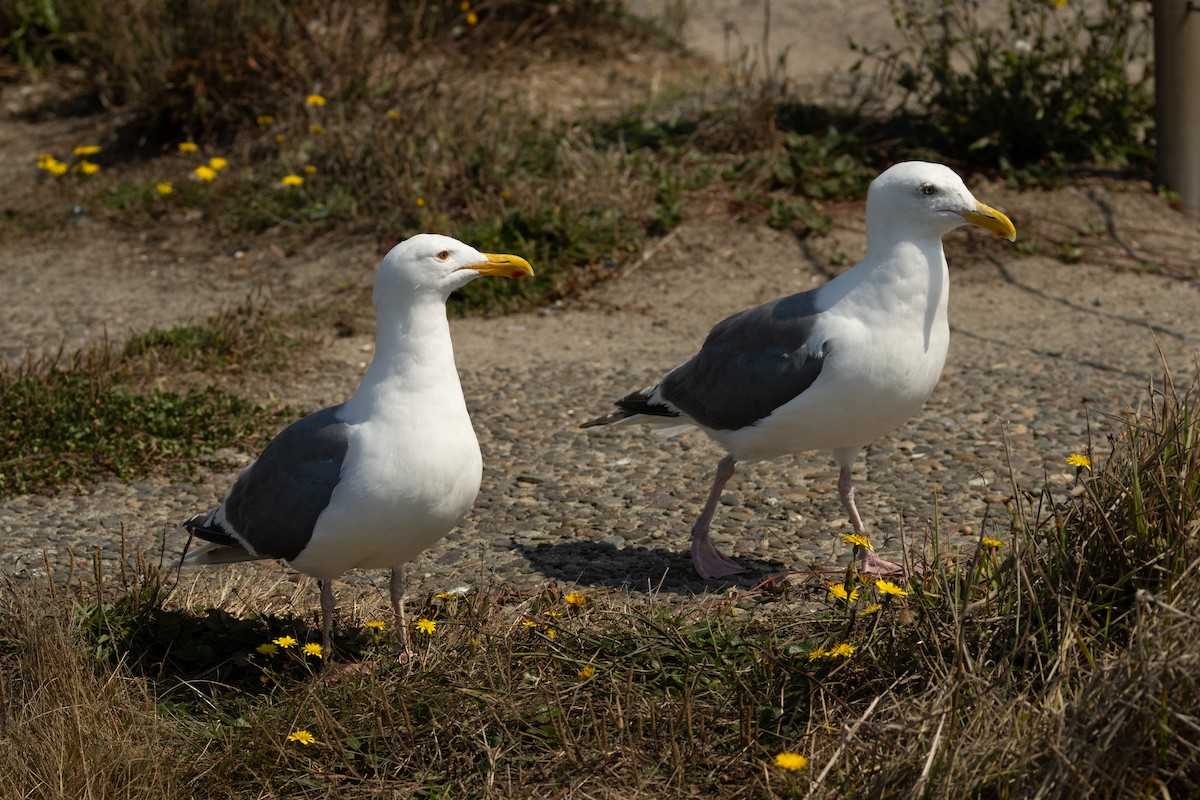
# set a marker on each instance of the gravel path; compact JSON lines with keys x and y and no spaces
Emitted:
{"x":1037,"y":346}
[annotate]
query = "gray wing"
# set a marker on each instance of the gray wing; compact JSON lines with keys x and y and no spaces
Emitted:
{"x":274,"y":505}
{"x":750,"y":364}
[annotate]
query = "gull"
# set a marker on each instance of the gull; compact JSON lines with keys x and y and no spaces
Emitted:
{"x":374,"y":481}
{"x":833,"y":368}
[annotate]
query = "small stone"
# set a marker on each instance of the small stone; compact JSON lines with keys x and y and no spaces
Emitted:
{"x":613,"y":542}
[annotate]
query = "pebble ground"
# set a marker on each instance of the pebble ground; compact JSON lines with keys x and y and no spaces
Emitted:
{"x":1043,"y":353}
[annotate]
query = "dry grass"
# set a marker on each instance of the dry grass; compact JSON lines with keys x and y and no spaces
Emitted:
{"x":1061,"y":665}
{"x":72,"y":730}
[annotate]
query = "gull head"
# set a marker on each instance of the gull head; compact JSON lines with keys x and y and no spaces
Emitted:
{"x":430,"y":264}
{"x":920,"y":199}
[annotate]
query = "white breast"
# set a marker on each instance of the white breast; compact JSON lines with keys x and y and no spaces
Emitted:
{"x":886,"y":345}
{"x":403,"y":487}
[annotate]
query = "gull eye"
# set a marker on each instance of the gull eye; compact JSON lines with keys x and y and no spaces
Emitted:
{"x":928,"y":189}
{"x":443,"y":255}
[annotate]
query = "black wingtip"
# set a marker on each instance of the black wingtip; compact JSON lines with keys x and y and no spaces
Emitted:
{"x":632,"y":405}
{"x":607,"y":419}
{"x":199,"y":527}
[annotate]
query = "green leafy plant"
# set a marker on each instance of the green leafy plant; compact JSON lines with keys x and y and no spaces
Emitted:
{"x":1050,"y":89}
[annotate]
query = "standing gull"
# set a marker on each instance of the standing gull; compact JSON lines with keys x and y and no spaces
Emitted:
{"x":374,"y":481}
{"x":832,"y":368}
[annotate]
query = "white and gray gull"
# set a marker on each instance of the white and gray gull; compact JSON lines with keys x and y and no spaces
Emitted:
{"x":373,"y":481}
{"x":832,"y":368}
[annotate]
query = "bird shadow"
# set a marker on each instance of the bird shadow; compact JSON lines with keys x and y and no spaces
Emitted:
{"x":634,"y":567}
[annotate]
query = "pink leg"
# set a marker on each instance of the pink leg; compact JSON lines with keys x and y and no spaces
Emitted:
{"x":846,"y":493}
{"x":709,"y":561}
{"x":396,"y":590}
{"x":867,"y":560}
{"x":327,"y":605}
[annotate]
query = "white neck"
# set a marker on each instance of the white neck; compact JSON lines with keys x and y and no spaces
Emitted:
{"x":899,"y":278}
{"x":400,"y":367}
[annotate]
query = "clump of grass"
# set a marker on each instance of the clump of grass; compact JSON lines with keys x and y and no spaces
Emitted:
{"x":72,"y":730}
{"x":239,"y":337}
{"x":1146,"y":512}
{"x":68,"y":426}
{"x":1059,"y":660}
{"x":66,"y":422}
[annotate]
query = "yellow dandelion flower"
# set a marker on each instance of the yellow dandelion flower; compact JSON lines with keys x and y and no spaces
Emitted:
{"x":420,"y":202}
{"x":267,"y":649}
{"x":587,"y":672}
{"x":376,"y":625}
{"x":842,"y":650}
{"x":264,"y":120}
{"x":87,"y":150}
{"x":528,"y":623}
{"x":316,"y":129}
{"x":285,"y":641}
{"x":52,"y":165}
{"x":838,"y":590}
{"x":816,"y":653}
{"x":575,"y":598}
{"x":393,"y":114}
{"x":309,"y":169}
{"x":218,"y":163}
{"x":301,"y":737}
{"x":1079,"y":461}
{"x":164,"y":188}
{"x":987,"y":541}
{"x":205,"y":173}
{"x":792,"y":762}
{"x":315,"y":100}
{"x":553,"y":613}
{"x":87,"y":167}
{"x":1060,"y":3}
{"x":869,"y":610}
{"x":43,"y":159}
{"x":472,"y":18}
{"x":856,"y":539}
{"x":464,"y":5}
{"x":188,"y":147}
{"x":550,"y":634}
{"x":887,"y":587}
{"x":279,"y":138}
{"x":313,"y":649}
{"x":292,"y":180}
{"x":426,"y":626}
{"x":445,"y":596}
